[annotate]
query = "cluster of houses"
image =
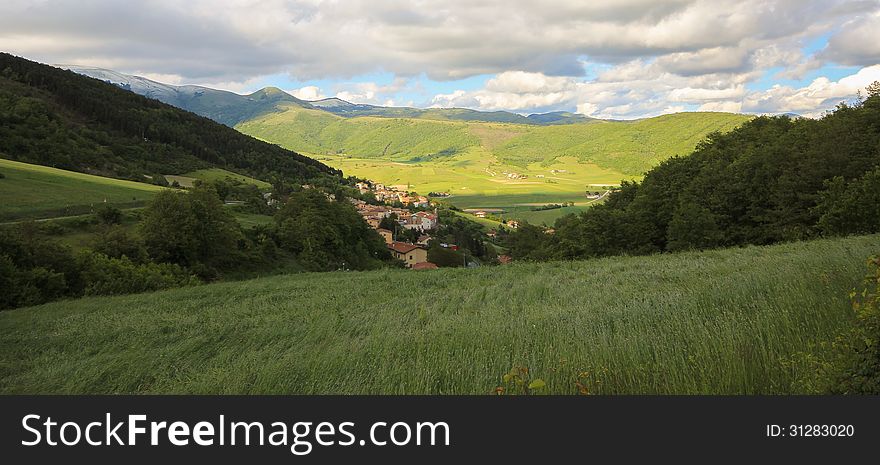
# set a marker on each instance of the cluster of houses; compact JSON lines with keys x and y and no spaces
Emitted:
{"x":415,"y":256}
{"x":391,"y":194}
{"x":374,"y":214}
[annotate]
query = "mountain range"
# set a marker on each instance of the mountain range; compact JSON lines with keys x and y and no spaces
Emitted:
{"x":230,"y":108}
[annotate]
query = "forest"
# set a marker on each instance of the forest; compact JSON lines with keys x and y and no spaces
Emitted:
{"x":773,"y":179}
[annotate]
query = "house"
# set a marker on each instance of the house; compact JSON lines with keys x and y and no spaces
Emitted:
{"x":480,"y":214}
{"x":426,"y":220}
{"x":423,"y":240}
{"x":425,"y":266}
{"x":513,"y":224}
{"x":362,"y":187}
{"x":386,"y":234}
{"x":408,"y":253}
{"x":373,"y":222}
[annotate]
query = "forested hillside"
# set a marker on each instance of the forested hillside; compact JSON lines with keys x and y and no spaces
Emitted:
{"x":773,"y":179}
{"x":58,"y":118}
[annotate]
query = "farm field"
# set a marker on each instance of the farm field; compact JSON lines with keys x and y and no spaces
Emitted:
{"x":34,"y":191}
{"x":471,"y":186}
{"x":738,"y":321}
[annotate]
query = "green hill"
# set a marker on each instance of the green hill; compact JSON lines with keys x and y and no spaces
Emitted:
{"x":33,"y":191}
{"x":473,"y":161}
{"x":745,"y":320}
{"x":630,"y":148}
{"x":58,"y":118}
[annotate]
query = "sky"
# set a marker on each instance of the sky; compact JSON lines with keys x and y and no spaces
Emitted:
{"x":619,"y":59}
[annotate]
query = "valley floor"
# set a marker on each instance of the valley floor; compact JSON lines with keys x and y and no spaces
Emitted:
{"x":739,"y":321}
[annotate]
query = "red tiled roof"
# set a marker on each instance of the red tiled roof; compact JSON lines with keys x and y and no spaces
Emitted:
{"x":425,"y":266}
{"x":402,"y":247}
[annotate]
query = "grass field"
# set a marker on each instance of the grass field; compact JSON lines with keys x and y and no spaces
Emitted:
{"x":471,"y":182}
{"x":214,"y":174}
{"x":737,"y":321}
{"x":33,"y":191}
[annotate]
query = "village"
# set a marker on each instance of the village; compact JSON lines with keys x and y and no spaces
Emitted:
{"x":400,"y":206}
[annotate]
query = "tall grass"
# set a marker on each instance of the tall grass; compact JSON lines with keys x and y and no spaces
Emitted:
{"x":738,"y":321}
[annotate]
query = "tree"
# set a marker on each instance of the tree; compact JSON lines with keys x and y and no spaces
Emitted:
{"x":444,"y":257}
{"x":851,"y":208}
{"x":191,"y":229}
{"x":327,"y":235}
{"x":116,"y":242}
{"x":692,"y":227}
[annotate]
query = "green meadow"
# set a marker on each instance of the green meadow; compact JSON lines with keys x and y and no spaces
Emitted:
{"x":33,"y":191}
{"x":753,"y":320}
{"x":473,"y":161}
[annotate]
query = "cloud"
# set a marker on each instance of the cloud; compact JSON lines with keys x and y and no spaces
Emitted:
{"x":822,"y":94}
{"x":451,"y":39}
{"x":857,"y":44}
{"x":621,"y":94}
{"x":605,"y":58}
{"x":373,"y":93}
{"x":307,"y":93}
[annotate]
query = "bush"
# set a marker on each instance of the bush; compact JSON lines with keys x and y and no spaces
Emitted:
{"x":861,"y":371}
{"x":116,"y":242}
{"x":108,"y":214}
{"x":113,"y":276}
{"x":444,"y":257}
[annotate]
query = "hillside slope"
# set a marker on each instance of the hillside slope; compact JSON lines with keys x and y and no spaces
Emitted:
{"x":630,"y":148}
{"x":746,"y":320}
{"x":34,"y":191}
{"x":58,"y":118}
{"x":222,"y":106}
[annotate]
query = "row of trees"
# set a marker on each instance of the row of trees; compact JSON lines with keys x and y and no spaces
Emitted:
{"x":773,"y":179}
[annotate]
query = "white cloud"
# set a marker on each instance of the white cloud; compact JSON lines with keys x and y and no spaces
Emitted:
{"x":626,"y":96}
{"x":820,"y":95}
{"x":656,"y":56}
{"x":307,"y":93}
{"x":373,"y":93}
{"x":228,"y":40}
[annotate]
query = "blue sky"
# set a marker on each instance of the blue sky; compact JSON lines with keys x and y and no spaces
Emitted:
{"x":603,"y":58}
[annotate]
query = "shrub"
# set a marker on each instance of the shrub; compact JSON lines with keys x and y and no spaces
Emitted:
{"x":861,"y":372}
{"x":112,"y":276}
{"x":116,"y":242}
{"x":108,"y":214}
